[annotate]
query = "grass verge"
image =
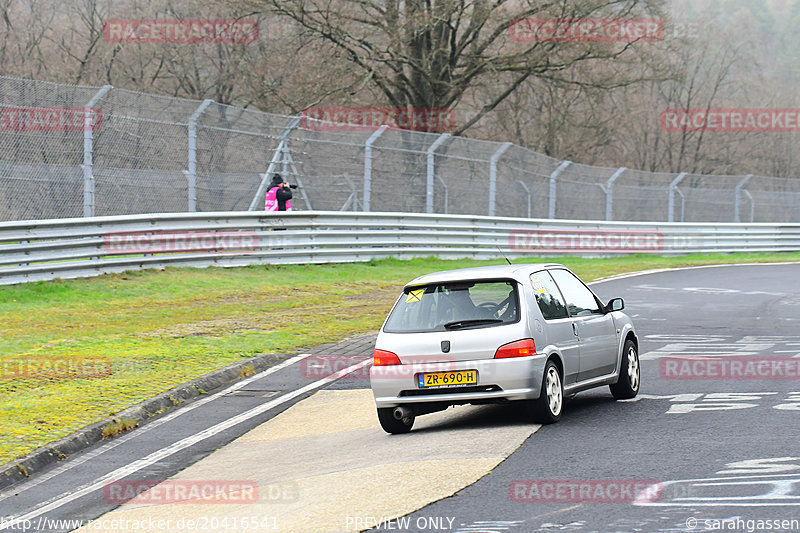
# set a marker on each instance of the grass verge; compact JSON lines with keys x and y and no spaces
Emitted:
{"x":74,"y":352}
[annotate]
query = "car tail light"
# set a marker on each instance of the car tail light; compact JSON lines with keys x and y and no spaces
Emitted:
{"x":384,"y":358}
{"x":523,"y":348}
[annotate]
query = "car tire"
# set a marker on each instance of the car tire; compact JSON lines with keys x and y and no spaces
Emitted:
{"x":547,"y":408}
{"x":391,"y":425}
{"x":630,"y":374}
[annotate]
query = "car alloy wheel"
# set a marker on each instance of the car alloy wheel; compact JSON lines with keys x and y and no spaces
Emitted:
{"x":554,"y":394}
{"x":547,"y":408}
{"x":627,"y":386}
{"x":633,"y":368}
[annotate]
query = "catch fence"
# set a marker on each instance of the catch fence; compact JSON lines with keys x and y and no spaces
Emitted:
{"x":72,"y":151}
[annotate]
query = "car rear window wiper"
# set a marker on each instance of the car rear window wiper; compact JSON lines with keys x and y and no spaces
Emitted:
{"x":458,"y":324}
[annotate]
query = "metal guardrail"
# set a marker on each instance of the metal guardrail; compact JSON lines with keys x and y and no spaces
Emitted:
{"x":79,"y":247}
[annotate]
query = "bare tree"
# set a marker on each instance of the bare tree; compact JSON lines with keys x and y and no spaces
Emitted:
{"x":23,"y":44}
{"x":429,"y":54}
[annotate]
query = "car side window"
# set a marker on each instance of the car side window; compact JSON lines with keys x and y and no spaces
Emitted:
{"x":580,"y":300}
{"x":550,"y":301}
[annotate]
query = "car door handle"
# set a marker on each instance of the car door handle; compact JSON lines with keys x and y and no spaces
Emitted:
{"x":574,"y":329}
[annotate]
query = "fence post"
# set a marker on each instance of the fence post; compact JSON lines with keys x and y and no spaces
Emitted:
{"x":609,"y":190}
{"x":277,"y":156}
{"x":444,"y":186}
{"x":551,"y":212}
{"x":527,"y":195}
{"x":368,"y":166}
{"x":493,"y":175}
{"x":88,"y":151}
{"x":672,"y":188}
{"x":737,"y":202}
{"x":429,"y":187}
{"x":191,"y":174}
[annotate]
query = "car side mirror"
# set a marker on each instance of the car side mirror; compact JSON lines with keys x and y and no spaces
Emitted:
{"x":616,"y":304}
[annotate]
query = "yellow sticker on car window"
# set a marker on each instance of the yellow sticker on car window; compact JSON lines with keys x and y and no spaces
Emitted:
{"x":414,"y":296}
{"x":538,"y":285}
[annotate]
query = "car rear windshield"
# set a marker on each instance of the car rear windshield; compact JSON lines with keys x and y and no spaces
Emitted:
{"x":453,"y":306}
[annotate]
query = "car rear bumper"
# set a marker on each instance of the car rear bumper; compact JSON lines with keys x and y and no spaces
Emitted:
{"x":518,"y":378}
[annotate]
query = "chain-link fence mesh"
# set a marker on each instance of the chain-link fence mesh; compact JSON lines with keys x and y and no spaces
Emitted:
{"x":70,"y":151}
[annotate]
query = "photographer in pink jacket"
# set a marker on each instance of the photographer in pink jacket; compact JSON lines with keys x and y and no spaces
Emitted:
{"x":278,"y":195}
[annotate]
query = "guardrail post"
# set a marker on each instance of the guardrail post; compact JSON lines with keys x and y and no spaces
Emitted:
{"x":672,"y":188}
{"x":431,"y":168}
{"x":368,"y":166}
{"x":88,"y":151}
{"x":191,"y":173}
{"x":609,"y":190}
{"x":738,"y":198}
{"x":277,"y":157}
{"x":551,"y":212}
{"x":493,"y":175}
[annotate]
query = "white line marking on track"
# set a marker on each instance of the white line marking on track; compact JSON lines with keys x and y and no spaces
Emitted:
{"x":778,"y":497}
{"x":180,"y":445}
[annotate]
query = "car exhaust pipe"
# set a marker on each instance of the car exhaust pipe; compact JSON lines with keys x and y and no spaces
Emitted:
{"x":400,"y":413}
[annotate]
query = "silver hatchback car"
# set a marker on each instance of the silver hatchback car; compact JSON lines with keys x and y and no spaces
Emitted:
{"x":530,"y":333}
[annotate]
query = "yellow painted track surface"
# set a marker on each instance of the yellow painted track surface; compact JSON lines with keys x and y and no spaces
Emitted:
{"x":325,"y":465}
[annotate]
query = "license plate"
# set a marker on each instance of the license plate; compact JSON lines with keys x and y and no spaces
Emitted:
{"x":454,"y":378}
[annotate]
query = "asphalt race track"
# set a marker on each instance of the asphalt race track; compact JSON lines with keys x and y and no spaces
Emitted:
{"x":726,"y":452}
{"x":710,"y":444}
